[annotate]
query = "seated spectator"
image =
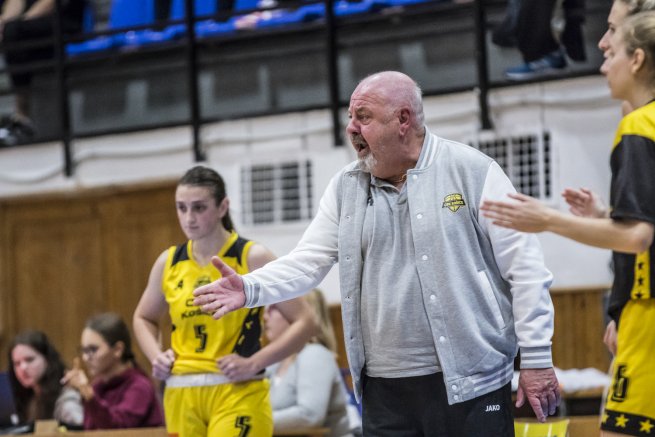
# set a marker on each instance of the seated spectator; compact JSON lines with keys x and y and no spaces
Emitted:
{"x":306,"y":388}
{"x":544,"y":51}
{"x":120,"y":395}
{"x":20,"y":22}
{"x":35,"y":370}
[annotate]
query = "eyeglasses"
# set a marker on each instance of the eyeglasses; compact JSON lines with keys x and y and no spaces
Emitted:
{"x":88,"y":350}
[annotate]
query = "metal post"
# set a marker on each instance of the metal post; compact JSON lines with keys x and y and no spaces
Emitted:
{"x":62,"y":88}
{"x":333,"y":71}
{"x":482,"y":64}
{"x":192,"y":77}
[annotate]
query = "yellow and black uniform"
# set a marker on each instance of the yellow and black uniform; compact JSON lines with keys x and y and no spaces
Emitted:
{"x":199,"y":400}
{"x":630,"y":408}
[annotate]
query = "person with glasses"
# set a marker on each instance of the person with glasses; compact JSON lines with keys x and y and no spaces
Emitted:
{"x":117,"y":393}
{"x":34,"y":372}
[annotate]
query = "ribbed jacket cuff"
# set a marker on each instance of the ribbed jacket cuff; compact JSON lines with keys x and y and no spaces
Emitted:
{"x":536,"y":357}
{"x":251,"y":290}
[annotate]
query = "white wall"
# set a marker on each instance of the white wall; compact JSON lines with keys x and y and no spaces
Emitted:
{"x":578,"y":113}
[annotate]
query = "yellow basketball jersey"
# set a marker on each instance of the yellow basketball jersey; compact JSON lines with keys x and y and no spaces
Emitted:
{"x":197,"y":339}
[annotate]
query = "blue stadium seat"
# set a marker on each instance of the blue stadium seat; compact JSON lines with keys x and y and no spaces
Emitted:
{"x":344,"y":8}
{"x":203,"y":28}
{"x":406,"y":2}
{"x":124,"y":13}
{"x":202,"y":7}
{"x":303,"y":14}
{"x":209,"y":28}
{"x":245,"y":5}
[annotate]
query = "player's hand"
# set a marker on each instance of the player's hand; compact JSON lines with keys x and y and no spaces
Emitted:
{"x":584,"y":203}
{"x":523,"y":213}
{"x":162,"y":364}
{"x":541,"y":389}
{"x":223,"y":295}
{"x":610,"y":337}
{"x":237,"y":368}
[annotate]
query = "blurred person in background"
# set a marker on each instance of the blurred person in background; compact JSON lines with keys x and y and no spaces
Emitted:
{"x":116,"y":392}
{"x":35,"y":371}
{"x":307,"y":389}
{"x":23,"y":21}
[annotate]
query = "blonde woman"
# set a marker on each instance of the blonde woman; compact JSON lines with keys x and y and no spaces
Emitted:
{"x":306,"y":388}
{"x":628,"y":230}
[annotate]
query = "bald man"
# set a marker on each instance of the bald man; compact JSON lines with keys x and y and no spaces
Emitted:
{"x":436,"y":302}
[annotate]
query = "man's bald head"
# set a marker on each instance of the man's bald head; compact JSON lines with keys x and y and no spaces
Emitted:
{"x":396,"y":90}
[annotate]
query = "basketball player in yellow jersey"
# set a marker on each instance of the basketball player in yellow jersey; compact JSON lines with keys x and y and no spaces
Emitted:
{"x":214,"y":369}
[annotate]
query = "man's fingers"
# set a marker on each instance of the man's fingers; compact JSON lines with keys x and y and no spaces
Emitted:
{"x":199,"y":292}
{"x":537,"y":406}
{"x":520,"y":398}
{"x":223,"y":310}
{"x":552,"y":403}
{"x":222,"y":267}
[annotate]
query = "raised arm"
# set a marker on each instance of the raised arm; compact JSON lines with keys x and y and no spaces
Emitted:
{"x":527,"y":214}
{"x":151,"y":308}
{"x":285,"y":278}
{"x":302,"y":328}
{"x":585,"y":203}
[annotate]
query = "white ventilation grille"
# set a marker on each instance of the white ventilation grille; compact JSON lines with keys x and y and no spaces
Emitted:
{"x":526,"y":159}
{"x":276,"y":193}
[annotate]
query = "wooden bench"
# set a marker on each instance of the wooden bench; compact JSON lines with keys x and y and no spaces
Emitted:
{"x":46,"y":430}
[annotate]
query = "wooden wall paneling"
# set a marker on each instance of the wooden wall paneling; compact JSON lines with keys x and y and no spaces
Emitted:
{"x":139,"y":226}
{"x":57,"y":275}
{"x":579,"y":329}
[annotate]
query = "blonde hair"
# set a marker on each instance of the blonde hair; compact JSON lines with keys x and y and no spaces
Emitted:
{"x":638,"y":32}
{"x":635,"y":6}
{"x":325,"y":335}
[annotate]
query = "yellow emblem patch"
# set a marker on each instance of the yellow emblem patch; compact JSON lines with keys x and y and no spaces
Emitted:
{"x":453,"y":202}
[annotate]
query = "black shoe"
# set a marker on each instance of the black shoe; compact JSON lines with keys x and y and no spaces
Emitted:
{"x":14,"y":130}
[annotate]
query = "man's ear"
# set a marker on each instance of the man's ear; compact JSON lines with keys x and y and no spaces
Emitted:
{"x":404,"y":119}
{"x":638,"y":60}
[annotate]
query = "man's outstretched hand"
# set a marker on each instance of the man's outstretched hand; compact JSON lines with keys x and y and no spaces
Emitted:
{"x":223,"y":295}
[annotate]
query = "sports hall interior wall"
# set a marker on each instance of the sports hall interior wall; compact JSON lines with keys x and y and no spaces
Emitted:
{"x":65,"y":257}
{"x":74,"y":246}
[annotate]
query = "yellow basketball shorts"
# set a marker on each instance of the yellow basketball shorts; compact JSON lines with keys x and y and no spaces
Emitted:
{"x":630,"y":407}
{"x":226,"y":410}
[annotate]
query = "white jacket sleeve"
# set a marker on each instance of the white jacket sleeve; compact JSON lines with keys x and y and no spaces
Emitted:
{"x":520,"y":260}
{"x":306,"y":265}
